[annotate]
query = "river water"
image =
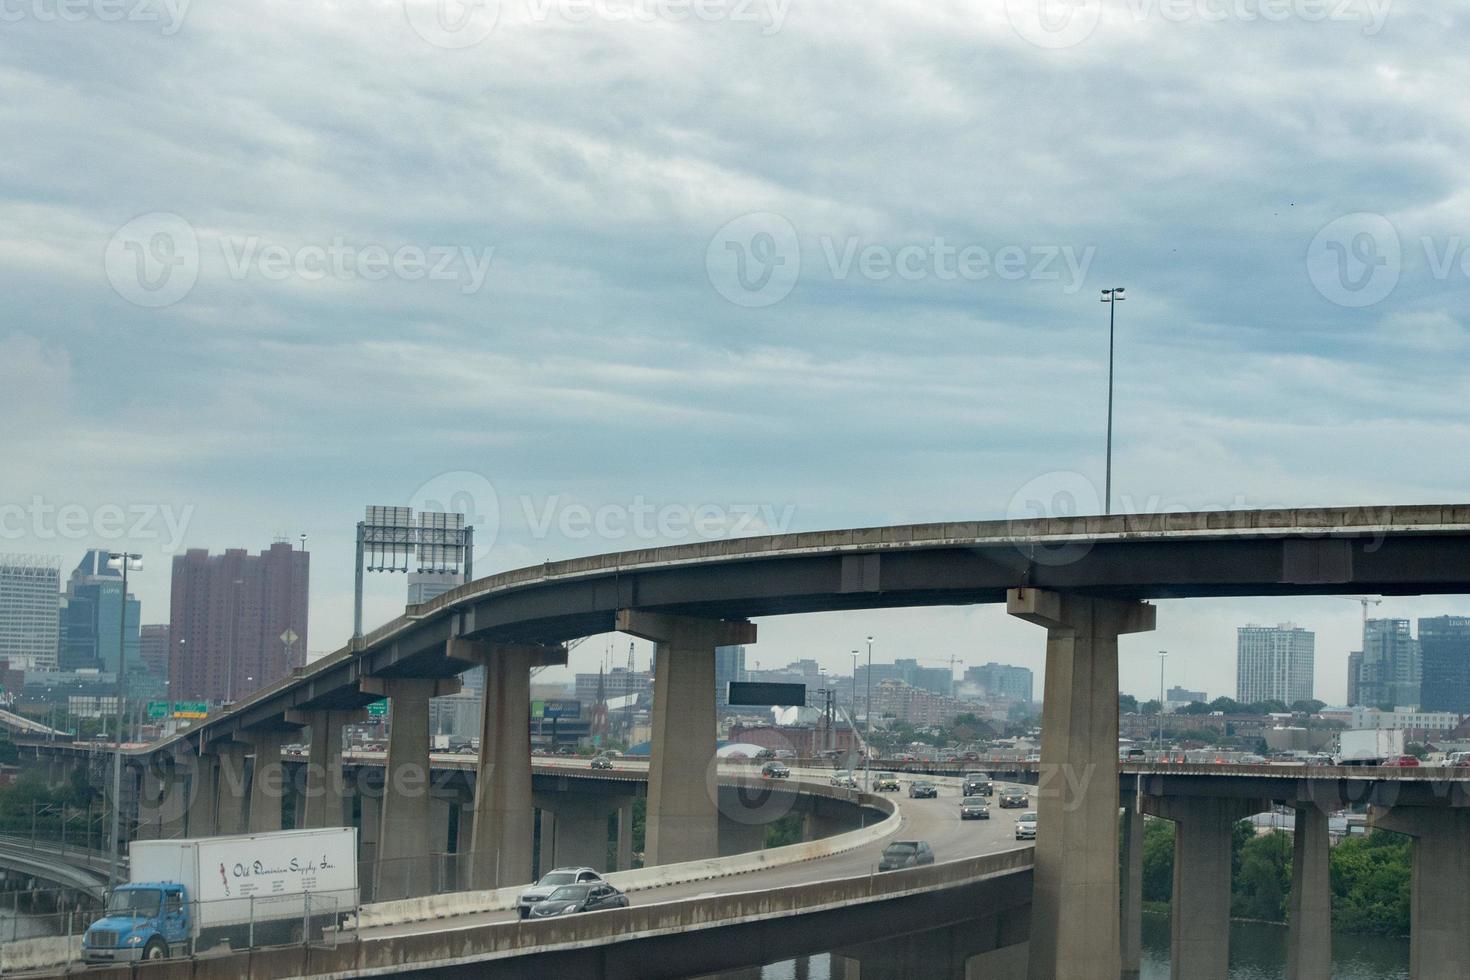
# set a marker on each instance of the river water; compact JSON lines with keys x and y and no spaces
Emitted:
{"x":1257,"y":952}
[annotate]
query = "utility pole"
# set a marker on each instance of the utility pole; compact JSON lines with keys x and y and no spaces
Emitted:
{"x":125,"y":562}
{"x":1112,"y":297}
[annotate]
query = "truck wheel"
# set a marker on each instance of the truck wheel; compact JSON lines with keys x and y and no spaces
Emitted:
{"x":156,"y":949}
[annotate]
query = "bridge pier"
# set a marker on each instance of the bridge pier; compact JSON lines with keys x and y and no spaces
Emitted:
{"x":173,"y":806}
{"x":1309,"y":922}
{"x":1203,"y":828}
{"x":200,"y":817}
{"x":1075,"y":919}
{"x":1439,"y":896}
{"x":502,"y":831}
{"x":1130,"y":923}
{"x":267,"y":781}
{"x":581,"y":832}
{"x":230,"y":789}
{"x":151,"y":788}
{"x":321,"y":800}
{"x":546,"y":856}
{"x":403,"y":869}
{"x":625,"y":836}
{"x":682,"y":823}
{"x":739,"y":837}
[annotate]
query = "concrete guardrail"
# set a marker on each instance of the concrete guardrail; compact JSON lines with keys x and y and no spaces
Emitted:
{"x":445,"y":906}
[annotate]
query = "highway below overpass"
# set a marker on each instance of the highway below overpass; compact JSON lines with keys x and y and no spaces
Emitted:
{"x":934,"y":820}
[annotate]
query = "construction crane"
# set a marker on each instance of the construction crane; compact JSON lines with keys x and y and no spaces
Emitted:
{"x":1366,"y":600}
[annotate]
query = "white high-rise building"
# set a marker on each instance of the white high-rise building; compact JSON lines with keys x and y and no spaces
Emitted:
{"x":1274,"y":663}
{"x":30,"y":611}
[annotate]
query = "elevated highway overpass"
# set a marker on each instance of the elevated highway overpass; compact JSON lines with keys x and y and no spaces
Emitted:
{"x":1084,"y":580}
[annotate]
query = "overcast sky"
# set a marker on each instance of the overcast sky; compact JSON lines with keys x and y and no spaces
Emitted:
{"x":779,"y":265}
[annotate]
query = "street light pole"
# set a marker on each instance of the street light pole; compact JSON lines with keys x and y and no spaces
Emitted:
{"x":1162,"y":655}
{"x":1112,"y":297}
{"x":126,"y":562}
{"x":868,"y":726}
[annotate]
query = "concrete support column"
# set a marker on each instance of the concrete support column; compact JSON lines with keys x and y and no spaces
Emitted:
{"x":1074,"y":931}
{"x":173,"y":807}
{"x":403,"y":869}
{"x":202,"y":817}
{"x":682,"y":820}
{"x":267,"y":781}
{"x":1201,"y":922}
{"x":500,"y":844}
{"x":322,"y":800}
{"x":582,"y":833}
{"x":739,"y":837}
{"x":1309,"y":923}
{"x":1439,"y":890}
{"x":151,"y":787}
{"x":1130,"y":913}
{"x":546,"y":856}
{"x":230,"y":798}
{"x":625,"y":836}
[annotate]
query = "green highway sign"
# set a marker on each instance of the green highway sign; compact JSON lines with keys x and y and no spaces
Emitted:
{"x":378,"y":709}
{"x":159,"y":709}
{"x":191,"y":709}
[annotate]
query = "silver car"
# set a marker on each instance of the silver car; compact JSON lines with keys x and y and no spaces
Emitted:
{"x":550,"y":882}
{"x":1026,"y":826}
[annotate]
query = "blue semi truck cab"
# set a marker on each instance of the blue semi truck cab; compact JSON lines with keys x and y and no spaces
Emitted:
{"x":144,"y":921}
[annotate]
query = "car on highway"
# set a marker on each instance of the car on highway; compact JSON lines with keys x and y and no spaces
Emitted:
{"x":922,"y":789}
{"x":905,"y":854}
{"x":843,"y":778}
{"x":602,"y":762}
{"x":974,"y":808}
{"x":978,"y":784}
{"x":571,"y":899}
{"x":550,"y":882}
{"x":885,"y":782}
{"x":1026,"y":826}
{"x":1402,"y":762}
{"x":1011,"y":798}
{"x":775,"y":770}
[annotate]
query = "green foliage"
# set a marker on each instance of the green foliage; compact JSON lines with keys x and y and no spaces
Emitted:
{"x":9,"y":753}
{"x":1370,"y":877}
{"x":1127,"y":704}
{"x":1370,"y":884}
{"x":640,"y":824}
{"x":1158,"y":860}
{"x":1262,"y":883}
{"x":1195,"y":708}
{"x":786,"y":830}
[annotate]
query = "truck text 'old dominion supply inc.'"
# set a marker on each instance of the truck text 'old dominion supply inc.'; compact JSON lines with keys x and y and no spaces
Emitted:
{"x":187,"y":896}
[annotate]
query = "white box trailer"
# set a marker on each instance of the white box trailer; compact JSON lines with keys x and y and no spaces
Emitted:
{"x":1369,"y":746}
{"x":250,"y":889}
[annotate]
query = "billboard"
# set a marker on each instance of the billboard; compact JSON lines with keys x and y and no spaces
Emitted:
{"x":751,"y":692}
{"x":552,"y":710}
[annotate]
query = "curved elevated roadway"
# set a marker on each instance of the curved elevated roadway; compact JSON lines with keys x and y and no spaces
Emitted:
{"x":1385,"y":550}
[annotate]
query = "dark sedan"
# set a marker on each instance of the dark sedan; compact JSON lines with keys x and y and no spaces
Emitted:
{"x":905,"y":854}
{"x":602,"y":762}
{"x":923,"y":789}
{"x":571,"y":899}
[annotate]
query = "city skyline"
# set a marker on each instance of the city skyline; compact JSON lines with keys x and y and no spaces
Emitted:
{"x":985,"y":626}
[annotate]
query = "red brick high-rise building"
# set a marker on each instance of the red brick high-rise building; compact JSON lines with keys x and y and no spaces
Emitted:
{"x":237,"y":622}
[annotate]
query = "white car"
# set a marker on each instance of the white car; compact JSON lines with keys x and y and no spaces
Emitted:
{"x":550,"y":882}
{"x":1026,"y":826}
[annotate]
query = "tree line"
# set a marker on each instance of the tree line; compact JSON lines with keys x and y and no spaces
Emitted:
{"x":1369,"y":876}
